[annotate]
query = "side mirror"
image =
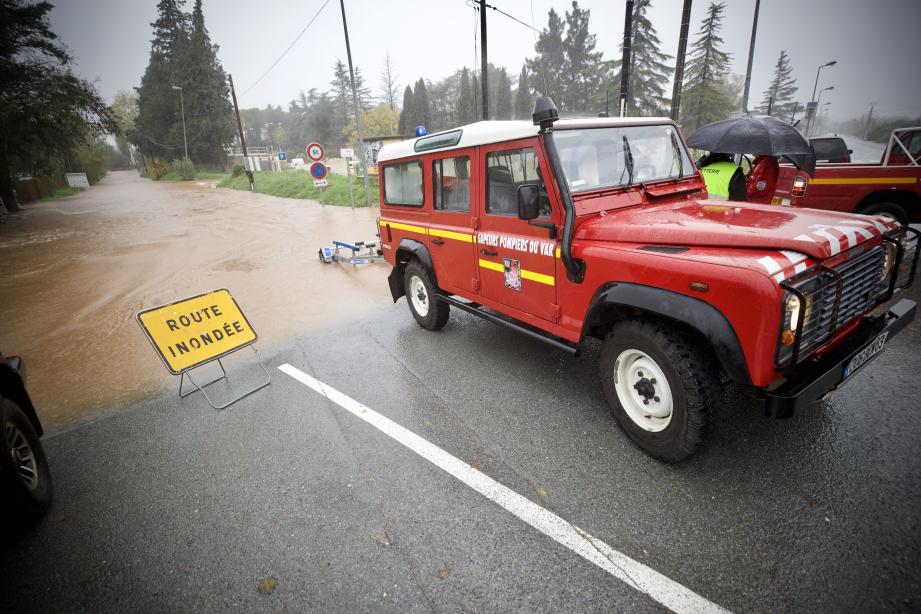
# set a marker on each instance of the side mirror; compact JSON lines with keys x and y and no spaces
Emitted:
{"x":850,"y":151}
{"x":528,"y":201}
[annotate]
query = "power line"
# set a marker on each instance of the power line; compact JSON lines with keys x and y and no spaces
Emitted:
{"x":297,"y":38}
{"x":512,"y":17}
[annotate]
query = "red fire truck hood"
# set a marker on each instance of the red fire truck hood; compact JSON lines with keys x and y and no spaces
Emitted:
{"x":710,"y":223}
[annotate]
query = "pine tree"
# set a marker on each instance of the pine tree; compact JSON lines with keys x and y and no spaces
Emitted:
{"x":208,"y":112}
{"x":406,"y":114}
{"x":421,"y":111}
{"x":584,"y":66}
{"x":650,"y":72}
{"x":159,"y":122}
{"x":782,"y":89}
{"x":523,"y":103}
{"x":466,"y":114}
{"x":550,"y":61}
{"x":704,"y":98}
{"x":503,"y":96}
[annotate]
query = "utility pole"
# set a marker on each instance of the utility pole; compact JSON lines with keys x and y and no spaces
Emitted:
{"x":185,"y":142}
{"x":679,"y":62}
{"x":866,"y":130}
{"x":236,"y":110}
{"x":625,"y":60}
{"x":361,"y":139}
{"x":751,"y":58}
{"x":484,"y":65}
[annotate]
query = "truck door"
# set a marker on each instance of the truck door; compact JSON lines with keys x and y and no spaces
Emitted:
{"x":517,"y":261}
{"x":451,"y":231}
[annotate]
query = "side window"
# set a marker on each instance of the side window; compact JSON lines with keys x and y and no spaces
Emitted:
{"x":451,"y":183}
{"x":505,"y":172}
{"x":403,"y":184}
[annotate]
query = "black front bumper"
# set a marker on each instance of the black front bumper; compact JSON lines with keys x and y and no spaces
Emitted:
{"x":815,"y":377}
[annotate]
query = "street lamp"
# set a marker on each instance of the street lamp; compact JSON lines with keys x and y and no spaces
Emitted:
{"x":817,"y":107}
{"x":185,"y":143}
{"x":814,"y":88}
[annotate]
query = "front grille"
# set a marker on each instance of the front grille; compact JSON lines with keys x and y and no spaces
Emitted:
{"x":860,"y":287}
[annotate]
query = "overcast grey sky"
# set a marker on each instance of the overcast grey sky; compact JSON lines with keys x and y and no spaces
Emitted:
{"x":877,"y":44}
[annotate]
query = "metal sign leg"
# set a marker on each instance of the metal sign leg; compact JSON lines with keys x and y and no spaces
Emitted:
{"x":268,"y":380}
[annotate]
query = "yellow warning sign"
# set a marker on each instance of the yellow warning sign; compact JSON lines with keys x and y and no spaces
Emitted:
{"x":193,"y":331}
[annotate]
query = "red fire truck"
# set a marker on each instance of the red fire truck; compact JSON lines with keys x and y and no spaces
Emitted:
{"x":891,"y":188}
{"x":564,"y":229}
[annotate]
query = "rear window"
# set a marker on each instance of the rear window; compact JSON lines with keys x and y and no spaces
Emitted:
{"x":403,"y":184}
{"x":829,"y":149}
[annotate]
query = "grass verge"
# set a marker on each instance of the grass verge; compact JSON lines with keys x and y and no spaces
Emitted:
{"x":60,"y":193}
{"x":299,"y":184}
{"x":199,"y":176}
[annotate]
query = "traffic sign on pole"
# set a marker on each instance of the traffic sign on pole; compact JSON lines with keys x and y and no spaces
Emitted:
{"x":315,"y":152}
{"x":282,"y":156}
{"x":318,"y":170}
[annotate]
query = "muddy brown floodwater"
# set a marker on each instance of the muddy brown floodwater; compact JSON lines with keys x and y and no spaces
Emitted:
{"x":73,"y":274}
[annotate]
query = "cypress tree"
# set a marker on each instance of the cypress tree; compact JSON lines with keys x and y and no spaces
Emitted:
{"x":550,"y":61}
{"x":465,"y":110}
{"x":649,"y":69}
{"x":421,"y":111}
{"x":584,"y":66}
{"x":523,"y":104}
{"x":503,"y":95}
{"x":406,"y":114}
{"x":782,"y":89}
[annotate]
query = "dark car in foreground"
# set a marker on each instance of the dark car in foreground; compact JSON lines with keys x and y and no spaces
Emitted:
{"x":25,"y":480}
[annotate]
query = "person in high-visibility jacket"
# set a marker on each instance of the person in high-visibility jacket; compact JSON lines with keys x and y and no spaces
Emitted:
{"x":724,"y":178}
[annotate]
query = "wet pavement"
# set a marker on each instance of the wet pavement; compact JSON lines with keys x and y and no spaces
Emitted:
{"x":74,"y":272}
{"x":284,"y":501}
{"x":170,"y":505}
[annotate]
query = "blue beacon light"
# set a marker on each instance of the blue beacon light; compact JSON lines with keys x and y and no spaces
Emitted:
{"x":421,"y":131}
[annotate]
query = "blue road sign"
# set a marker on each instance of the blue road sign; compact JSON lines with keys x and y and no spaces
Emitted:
{"x":282,"y":156}
{"x":318,"y":170}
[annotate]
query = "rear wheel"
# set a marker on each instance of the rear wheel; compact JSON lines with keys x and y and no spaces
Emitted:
{"x":893,"y":211}
{"x":25,"y":478}
{"x":428,"y":311}
{"x":660,"y":386}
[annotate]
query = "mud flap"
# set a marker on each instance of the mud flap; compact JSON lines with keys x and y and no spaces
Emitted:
{"x":395,"y":280}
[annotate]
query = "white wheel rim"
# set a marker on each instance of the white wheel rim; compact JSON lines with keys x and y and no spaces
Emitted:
{"x":643,"y":390}
{"x":419,"y":296}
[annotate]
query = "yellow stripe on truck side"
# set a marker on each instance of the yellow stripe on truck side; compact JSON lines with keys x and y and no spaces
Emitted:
{"x":450,"y":234}
{"x":407,"y":227}
{"x":531,"y":275}
{"x":864,"y":180}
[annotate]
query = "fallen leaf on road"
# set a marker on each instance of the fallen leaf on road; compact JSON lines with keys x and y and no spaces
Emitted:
{"x":381,"y":537}
{"x":443,"y":573}
{"x":268,"y":584}
{"x":541,"y":492}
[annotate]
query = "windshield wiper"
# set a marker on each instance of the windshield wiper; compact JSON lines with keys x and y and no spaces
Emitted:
{"x":628,"y":161}
{"x":677,"y":150}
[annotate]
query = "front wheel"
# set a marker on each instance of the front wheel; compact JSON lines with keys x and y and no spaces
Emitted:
{"x":892,"y":211}
{"x":660,"y":386}
{"x":428,"y":311}
{"x":25,"y":479}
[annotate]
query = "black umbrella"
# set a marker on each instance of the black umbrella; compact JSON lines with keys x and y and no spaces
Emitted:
{"x":756,"y":135}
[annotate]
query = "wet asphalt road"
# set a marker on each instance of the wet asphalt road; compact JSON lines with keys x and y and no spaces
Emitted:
{"x":169,"y":505}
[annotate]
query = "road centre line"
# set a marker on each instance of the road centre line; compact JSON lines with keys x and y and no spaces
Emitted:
{"x":658,"y":587}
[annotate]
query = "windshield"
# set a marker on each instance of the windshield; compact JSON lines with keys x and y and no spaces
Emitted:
{"x":595,"y":158}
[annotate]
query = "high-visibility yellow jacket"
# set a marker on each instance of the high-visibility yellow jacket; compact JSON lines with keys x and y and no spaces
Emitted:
{"x":717,"y":177}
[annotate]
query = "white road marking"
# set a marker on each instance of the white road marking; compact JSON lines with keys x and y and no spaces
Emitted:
{"x":662,"y":589}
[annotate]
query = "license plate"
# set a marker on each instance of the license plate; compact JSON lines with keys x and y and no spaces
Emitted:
{"x":863,"y":356}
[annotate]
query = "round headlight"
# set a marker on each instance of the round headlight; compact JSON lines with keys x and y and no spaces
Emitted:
{"x":889,"y":260}
{"x":793,"y":306}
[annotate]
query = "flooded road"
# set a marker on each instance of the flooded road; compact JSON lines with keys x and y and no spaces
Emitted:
{"x":74,"y":272}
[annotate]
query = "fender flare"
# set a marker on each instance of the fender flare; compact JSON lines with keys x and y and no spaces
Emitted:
{"x":406,"y":248}
{"x":698,"y":315}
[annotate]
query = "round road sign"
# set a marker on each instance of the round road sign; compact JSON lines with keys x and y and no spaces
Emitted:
{"x":318,"y":170}
{"x":315,"y":152}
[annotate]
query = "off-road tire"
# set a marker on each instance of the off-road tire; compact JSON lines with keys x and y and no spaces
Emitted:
{"x":693,"y":380}
{"x":891,"y":210}
{"x":423,"y":293}
{"x":23,"y":503}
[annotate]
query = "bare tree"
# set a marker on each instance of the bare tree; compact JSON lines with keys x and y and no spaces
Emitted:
{"x":389,"y":83}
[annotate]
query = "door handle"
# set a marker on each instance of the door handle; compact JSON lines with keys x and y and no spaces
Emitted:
{"x":488,"y":252}
{"x":438,"y":241}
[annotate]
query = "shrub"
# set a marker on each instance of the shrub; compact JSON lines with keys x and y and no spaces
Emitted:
{"x":157,"y":170}
{"x":237,"y":170}
{"x":184,"y":169}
